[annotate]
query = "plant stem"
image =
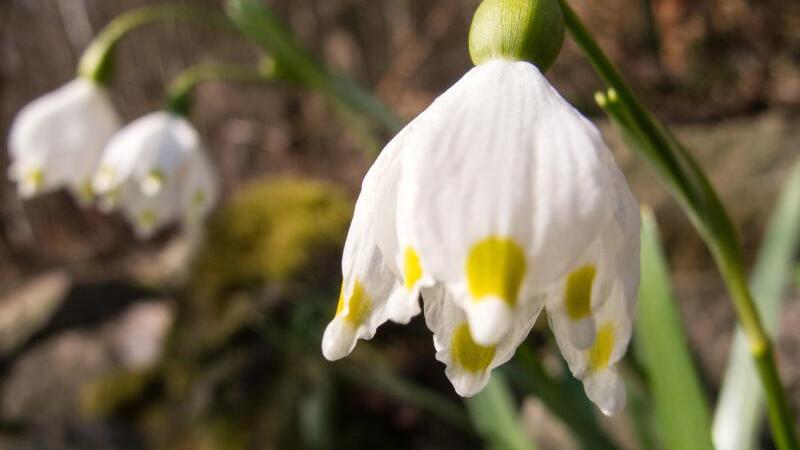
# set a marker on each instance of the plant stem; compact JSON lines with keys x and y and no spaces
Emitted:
{"x":180,"y":90}
{"x":97,"y":61}
{"x":693,"y":191}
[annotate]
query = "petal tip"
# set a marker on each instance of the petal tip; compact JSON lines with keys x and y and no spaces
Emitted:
{"x":489,"y":320}
{"x":338,"y":340}
{"x":607,"y":390}
{"x":468,"y":385}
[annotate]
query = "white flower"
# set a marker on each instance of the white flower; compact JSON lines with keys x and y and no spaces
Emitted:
{"x":497,"y":201}
{"x":155,"y":170}
{"x":200,"y":189}
{"x":56,"y":140}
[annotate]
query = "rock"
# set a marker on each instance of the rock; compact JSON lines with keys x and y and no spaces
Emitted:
{"x":136,"y":339}
{"x":44,"y":385}
{"x":24,"y":311}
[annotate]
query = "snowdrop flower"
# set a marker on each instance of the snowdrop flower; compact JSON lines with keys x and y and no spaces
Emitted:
{"x":496,"y":202}
{"x":200,"y":189}
{"x":155,"y":170}
{"x":56,"y":140}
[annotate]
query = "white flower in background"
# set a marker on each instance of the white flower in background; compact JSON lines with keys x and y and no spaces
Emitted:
{"x":156,"y":172}
{"x":497,"y":201}
{"x":200,"y":189}
{"x":56,"y":140}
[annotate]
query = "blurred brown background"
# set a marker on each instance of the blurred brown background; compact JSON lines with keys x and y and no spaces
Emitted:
{"x":726,"y":73}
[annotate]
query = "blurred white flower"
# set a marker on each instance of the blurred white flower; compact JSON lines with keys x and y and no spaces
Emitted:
{"x":56,"y":140}
{"x":156,"y":172}
{"x":200,"y":190}
{"x":497,"y":201}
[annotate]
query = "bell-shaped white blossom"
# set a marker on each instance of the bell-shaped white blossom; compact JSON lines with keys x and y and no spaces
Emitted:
{"x":498,"y":200}
{"x":156,"y":172}
{"x":56,"y":140}
{"x":146,"y":153}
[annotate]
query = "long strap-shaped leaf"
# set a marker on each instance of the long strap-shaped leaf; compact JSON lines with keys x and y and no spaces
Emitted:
{"x":739,"y":409}
{"x":494,"y":416}
{"x":661,"y":347}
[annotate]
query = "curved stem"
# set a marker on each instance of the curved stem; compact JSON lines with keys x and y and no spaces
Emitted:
{"x":96,"y":62}
{"x":686,"y":180}
{"x":180,"y":90}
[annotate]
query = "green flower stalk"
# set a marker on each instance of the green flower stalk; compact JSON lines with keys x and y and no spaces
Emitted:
{"x":97,"y":61}
{"x":180,"y":90}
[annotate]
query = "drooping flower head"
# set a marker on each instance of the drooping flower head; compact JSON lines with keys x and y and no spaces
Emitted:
{"x":56,"y":140}
{"x":496,"y":202}
{"x":156,"y":171}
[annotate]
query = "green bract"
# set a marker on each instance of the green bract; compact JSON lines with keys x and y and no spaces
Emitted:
{"x":523,"y":30}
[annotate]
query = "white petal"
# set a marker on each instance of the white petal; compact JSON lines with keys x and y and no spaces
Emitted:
{"x":586,"y":286}
{"x":469,"y":364}
{"x":149,"y":214}
{"x":368,"y":281}
{"x":613,"y":322}
{"x":501,"y":153}
{"x":56,"y":140}
{"x":146,"y":152}
{"x":628,"y":221}
{"x":501,"y":156}
{"x":200,"y":189}
{"x":607,"y":390}
{"x":402,"y":258}
{"x":616,"y":253}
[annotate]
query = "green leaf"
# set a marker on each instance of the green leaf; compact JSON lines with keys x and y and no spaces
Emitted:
{"x":640,"y":411}
{"x":680,"y":407}
{"x":739,"y":409}
{"x":494,"y":416}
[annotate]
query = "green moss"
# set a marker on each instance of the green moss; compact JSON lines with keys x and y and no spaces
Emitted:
{"x":273,"y":231}
{"x":112,"y":393}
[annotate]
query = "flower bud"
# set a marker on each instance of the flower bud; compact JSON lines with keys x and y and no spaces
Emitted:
{"x":520,"y":30}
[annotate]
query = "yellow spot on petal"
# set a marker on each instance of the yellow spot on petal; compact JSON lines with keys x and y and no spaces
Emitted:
{"x":578,"y":292}
{"x":359,"y":305}
{"x":31,"y":182}
{"x":199,"y":198}
{"x":148,"y":218}
{"x":471,"y":356}
{"x":495,"y":267}
{"x":85,"y":191}
{"x":105,"y":177}
{"x":412,"y":269}
{"x":340,"y":305}
{"x":35,"y":178}
{"x":600,"y":353}
{"x":153,"y":182}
